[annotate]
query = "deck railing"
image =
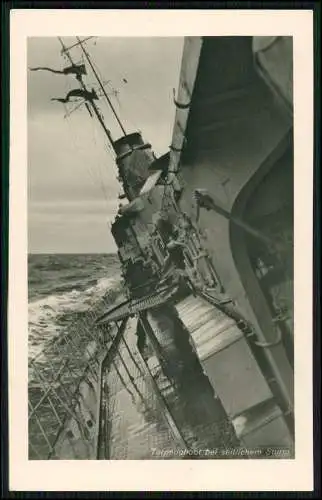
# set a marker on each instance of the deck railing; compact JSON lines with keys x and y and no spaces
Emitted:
{"x":56,"y":377}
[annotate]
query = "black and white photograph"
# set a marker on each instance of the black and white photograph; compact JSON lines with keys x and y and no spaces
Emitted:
{"x":160,"y":248}
{"x":160,"y":281}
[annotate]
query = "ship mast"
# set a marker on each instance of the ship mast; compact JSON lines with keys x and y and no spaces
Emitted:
{"x":66,"y":50}
{"x":86,"y":54}
{"x":124,"y":146}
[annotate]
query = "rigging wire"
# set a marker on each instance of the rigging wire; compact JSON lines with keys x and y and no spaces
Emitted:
{"x":109,"y":148}
{"x":102,"y":87}
{"x":116,"y":98}
{"x":114,"y":92}
{"x":130,"y":89}
{"x":98,"y":179}
{"x":97,"y":73}
{"x":101,"y":77}
{"x":100,"y":173}
{"x":76,"y":148}
{"x":121,"y":109}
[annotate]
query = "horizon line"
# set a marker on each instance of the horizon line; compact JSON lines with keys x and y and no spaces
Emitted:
{"x":71,"y":253}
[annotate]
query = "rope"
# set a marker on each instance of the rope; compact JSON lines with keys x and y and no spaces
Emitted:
{"x":75,"y":148}
{"x":99,"y":171}
{"x":150,"y":103}
{"x":96,"y":175}
{"x":121,"y":110}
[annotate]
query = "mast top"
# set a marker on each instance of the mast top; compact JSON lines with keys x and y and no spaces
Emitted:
{"x":80,"y":43}
{"x":86,"y":54}
{"x":66,"y":50}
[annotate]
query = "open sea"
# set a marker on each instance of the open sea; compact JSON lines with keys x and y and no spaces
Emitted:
{"x":61,"y":285}
{"x":64,"y":291}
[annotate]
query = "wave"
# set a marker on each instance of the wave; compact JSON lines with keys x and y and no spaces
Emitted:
{"x":51,"y":315}
{"x":59,"y":273}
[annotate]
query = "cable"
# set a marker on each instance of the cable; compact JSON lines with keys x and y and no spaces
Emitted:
{"x":94,"y":178}
{"x":100,"y":176}
{"x":133,"y":123}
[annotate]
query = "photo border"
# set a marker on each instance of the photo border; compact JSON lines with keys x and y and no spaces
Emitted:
{"x":5,"y":243}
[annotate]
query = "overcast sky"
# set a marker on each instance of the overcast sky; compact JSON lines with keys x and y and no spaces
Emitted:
{"x":71,"y":173}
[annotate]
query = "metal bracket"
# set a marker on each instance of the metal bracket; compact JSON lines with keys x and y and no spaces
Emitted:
{"x":178,"y":150}
{"x":180,"y":105}
{"x":175,"y":150}
{"x":269,"y":344}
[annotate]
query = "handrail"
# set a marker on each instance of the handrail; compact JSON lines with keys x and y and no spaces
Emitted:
{"x":67,"y":414}
{"x":49,"y":389}
{"x":165,"y":411}
{"x":135,"y":305}
{"x":103,"y":364}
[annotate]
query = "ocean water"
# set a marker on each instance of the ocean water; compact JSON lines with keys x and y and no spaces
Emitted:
{"x":61,"y":286}
{"x":65,"y":291}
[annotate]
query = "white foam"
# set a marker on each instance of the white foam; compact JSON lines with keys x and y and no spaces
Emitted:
{"x":42,"y":314}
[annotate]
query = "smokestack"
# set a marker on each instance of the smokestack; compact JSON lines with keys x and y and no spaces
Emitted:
{"x":133,"y":160}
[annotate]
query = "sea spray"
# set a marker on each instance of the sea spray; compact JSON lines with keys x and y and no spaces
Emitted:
{"x":63,"y":344}
{"x":52,"y":315}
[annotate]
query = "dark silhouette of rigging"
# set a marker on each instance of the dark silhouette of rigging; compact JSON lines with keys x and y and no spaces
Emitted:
{"x":74,"y":69}
{"x":85,"y":94}
{"x":93,"y":105}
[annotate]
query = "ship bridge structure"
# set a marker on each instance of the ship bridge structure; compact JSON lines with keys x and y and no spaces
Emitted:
{"x":232,"y":150}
